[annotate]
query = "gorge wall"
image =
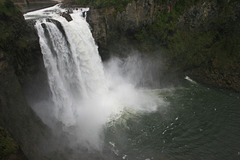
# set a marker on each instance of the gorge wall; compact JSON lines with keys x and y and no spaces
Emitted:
{"x":20,"y":64}
{"x":213,"y":31}
{"x":193,"y":35}
{"x":110,"y":26}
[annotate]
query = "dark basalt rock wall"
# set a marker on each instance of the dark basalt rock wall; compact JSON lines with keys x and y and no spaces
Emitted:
{"x":222,"y":70}
{"x":21,"y":65}
{"x":105,"y":22}
{"x":110,"y":25}
{"x":16,"y":115}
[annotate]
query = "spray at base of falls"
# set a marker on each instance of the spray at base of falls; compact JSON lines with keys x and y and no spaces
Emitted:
{"x":85,"y":95}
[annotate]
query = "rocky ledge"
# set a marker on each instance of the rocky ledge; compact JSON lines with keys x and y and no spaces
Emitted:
{"x":228,"y":78}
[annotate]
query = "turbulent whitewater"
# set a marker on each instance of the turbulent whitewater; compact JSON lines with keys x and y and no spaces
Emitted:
{"x":86,"y":95}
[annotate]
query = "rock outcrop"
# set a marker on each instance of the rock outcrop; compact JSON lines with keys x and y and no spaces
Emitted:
{"x":199,"y":17}
{"x":228,"y":78}
{"x":67,"y":16}
{"x":110,"y":25}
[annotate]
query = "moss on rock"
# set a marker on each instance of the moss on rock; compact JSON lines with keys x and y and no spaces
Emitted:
{"x":9,"y":149}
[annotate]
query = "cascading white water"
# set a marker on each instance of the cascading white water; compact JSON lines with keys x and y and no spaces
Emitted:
{"x":74,"y":67}
{"x":58,"y":81}
{"x":85,"y":98}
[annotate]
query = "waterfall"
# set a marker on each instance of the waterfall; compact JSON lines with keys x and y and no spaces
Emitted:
{"x":86,"y":95}
{"x":74,"y":67}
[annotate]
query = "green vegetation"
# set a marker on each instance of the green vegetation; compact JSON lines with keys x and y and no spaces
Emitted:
{"x":12,"y":30}
{"x":7,"y":12}
{"x":216,"y":42}
{"x":117,"y":4}
{"x":165,"y":26}
{"x":205,"y":48}
{"x":7,"y":145}
{"x":217,"y":45}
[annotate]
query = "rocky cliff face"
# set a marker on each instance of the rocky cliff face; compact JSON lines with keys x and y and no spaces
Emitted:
{"x":208,"y":25}
{"x":20,"y":64}
{"x":16,"y":115}
{"x":110,"y":25}
{"x":222,"y":23}
{"x":136,"y":15}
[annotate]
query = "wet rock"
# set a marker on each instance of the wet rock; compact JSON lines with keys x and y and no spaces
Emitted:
{"x":214,"y":76}
{"x":97,"y":21}
{"x":67,"y":16}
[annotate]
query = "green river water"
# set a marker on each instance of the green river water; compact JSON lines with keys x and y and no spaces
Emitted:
{"x":199,"y":123}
